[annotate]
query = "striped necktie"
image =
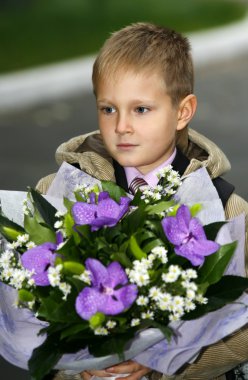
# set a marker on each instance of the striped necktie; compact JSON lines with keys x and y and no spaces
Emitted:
{"x":136,"y":183}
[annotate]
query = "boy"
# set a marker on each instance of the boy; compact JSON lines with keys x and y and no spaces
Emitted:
{"x":143,"y":83}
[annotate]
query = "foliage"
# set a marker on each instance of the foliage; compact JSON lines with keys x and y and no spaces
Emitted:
{"x":45,"y":31}
{"x":111,"y":266}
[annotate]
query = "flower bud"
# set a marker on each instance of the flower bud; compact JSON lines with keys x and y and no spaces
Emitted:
{"x":97,"y":320}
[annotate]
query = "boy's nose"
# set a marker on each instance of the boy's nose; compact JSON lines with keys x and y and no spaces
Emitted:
{"x":123,"y":124}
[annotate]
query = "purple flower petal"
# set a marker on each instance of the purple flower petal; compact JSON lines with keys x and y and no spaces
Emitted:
{"x":127,"y":295}
{"x":117,"y":274}
{"x":170,"y":227}
{"x":103,"y":195}
{"x":106,"y":213}
{"x":59,"y":238}
{"x":108,"y":208}
{"x":92,"y":197}
{"x":196,"y":229}
{"x":102,"y":295}
{"x":188,"y":236}
{"x":101,"y":222}
{"x":38,"y":259}
{"x":83,"y":213}
{"x":99,"y":273}
{"x":111,"y":306}
{"x":195,"y":251}
{"x":88,"y":302}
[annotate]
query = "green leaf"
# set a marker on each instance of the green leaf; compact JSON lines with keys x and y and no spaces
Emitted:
{"x":166,"y":330}
{"x":73,"y":267}
{"x":97,"y":320}
{"x":53,"y":309}
{"x":216,"y":264}
{"x":226,"y":291}
{"x":159,"y":207}
{"x":46,"y":210}
{"x":195,"y":209}
{"x":135,"y":249}
{"x":112,"y":345}
{"x":134,"y":220}
{"x":25,"y":296}
{"x":74,"y":329}
{"x":212,"y":229}
{"x":115,"y":191}
{"x":9,"y":229}
{"x":38,"y":233}
{"x":44,"y":358}
{"x":152,"y":244}
{"x":122,"y":258}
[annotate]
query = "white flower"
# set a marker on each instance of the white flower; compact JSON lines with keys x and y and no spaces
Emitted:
{"x":30,"y":245}
{"x":162,"y":172}
{"x":18,"y":277}
{"x":161,"y":253}
{"x":6,"y":258}
{"x":190,"y":294}
{"x":177,"y":304}
{"x":151,"y":257}
{"x":60,"y":245}
{"x":199,"y":298}
{"x":174,"y":317}
{"x":85,"y":277}
{"x":156,"y":196}
{"x":172,"y":275}
{"x":58,"y":224}
{"x":164,"y":301}
{"x":65,"y":289}
{"x":59,"y":214}
{"x":189,"y":285}
{"x":22,"y":239}
{"x":7,"y":273}
{"x":142,"y":301}
{"x":54,"y":275}
{"x":141,"y":279}
{"x":135,"y":322}
{"x":189,"y":274}
{"x":146,"y":264}
{"x":189,"y":305}
{"x":155,"y":293}
{"x":101,"y":331}
{"x":111,"y":324}
{"x":139,"y":274}
{"x":147,"y":315}
{"x":13,"y":245}
{"x":31,"y":304}
{"x":31,"y":282}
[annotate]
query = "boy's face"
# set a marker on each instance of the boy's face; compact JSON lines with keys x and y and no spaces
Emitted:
{"x":137,"y":120}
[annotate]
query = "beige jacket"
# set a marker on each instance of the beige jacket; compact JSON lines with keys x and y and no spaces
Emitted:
{"x":88,"y":151}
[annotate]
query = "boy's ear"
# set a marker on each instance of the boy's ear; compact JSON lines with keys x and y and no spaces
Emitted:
{"x":186,"y":111}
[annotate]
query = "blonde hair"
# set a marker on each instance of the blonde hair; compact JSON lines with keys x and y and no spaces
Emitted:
{"x":145,"y":46}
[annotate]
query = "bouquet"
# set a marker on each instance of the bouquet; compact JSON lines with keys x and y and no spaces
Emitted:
{"x":109,"y":266}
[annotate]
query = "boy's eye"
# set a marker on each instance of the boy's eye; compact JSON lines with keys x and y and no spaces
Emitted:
{"x":108,"y":110}
{"x":142,"y":109}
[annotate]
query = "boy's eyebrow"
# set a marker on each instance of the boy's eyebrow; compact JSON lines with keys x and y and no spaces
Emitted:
{"x":134,"y":101}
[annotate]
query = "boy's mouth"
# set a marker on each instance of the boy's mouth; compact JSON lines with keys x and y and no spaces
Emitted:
{"x":126,"y":145}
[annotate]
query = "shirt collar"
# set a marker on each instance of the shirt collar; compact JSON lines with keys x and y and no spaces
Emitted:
{"x":151,"y":177}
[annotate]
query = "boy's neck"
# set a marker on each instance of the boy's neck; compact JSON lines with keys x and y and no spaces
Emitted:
{"x":150,"y":177}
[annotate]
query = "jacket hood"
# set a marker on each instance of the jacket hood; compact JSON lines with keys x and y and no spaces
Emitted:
{"x":89,"y":153}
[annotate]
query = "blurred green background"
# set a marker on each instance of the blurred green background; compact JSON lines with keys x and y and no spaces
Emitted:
{"x":36,"y":32}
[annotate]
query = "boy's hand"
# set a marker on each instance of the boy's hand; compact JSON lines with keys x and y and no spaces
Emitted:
{"x":135,"y":370}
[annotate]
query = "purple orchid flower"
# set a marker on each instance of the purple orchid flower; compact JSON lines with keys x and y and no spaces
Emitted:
{"x":109,"y":293}
{"x":188,"y":236}
{"x":39,"y":259}
{"x":106,"y":213}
